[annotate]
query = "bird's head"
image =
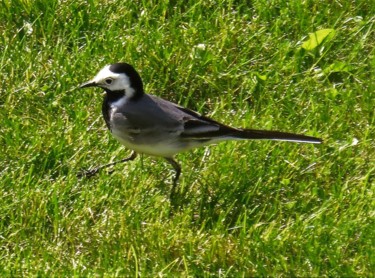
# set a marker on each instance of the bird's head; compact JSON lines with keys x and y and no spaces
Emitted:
{"x":119,"y":77}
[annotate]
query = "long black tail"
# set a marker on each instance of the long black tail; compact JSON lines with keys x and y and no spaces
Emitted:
{"x":212,"y":133}
{"x":274,"y":135}
{"x":205,"y":129}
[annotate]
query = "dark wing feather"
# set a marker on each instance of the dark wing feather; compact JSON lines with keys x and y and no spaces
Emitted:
{"x":201,"y":127}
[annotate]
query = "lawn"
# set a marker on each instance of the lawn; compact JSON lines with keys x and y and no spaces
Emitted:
{"x":246,"y":208}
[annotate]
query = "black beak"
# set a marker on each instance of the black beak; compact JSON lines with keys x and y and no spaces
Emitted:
{"x":88,"y":84}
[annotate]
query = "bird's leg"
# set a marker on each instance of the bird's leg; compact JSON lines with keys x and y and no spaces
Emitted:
{"x":177,"y":168}
{"x":92,"y":172}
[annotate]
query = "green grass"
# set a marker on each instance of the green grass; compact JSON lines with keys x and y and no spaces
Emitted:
{"x":247,"y":208}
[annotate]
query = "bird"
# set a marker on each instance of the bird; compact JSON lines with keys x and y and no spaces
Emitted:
{"x":148,"y":124}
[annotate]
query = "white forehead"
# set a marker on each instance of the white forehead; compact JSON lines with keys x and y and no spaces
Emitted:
{"x":105,"y":73}
{"x":121,"y":81}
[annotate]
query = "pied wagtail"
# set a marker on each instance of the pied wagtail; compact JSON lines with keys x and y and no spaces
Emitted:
{"x":148,"y":124}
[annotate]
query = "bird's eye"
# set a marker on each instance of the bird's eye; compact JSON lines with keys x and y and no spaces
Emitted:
{"x":108,"y":81}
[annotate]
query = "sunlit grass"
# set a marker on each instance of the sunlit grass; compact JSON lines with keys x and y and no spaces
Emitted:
{"x":247,"y":208}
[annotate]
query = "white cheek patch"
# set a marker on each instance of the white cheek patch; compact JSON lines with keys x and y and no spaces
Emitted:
{"x":120,"y":82}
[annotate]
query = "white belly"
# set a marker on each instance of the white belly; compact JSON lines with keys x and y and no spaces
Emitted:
{"x":164,"y":148}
